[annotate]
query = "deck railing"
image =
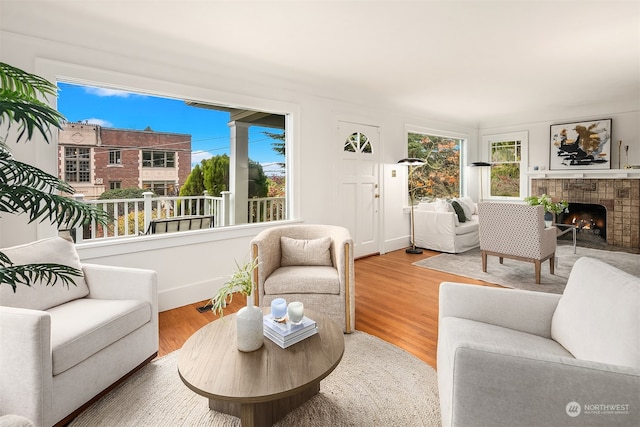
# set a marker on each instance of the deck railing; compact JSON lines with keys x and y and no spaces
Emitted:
{"x":133,"y":217}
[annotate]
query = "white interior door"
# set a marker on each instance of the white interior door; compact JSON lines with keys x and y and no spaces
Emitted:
{"x":359,"y":185}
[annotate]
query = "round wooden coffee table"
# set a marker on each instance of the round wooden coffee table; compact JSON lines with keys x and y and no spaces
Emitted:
{"x":263,"y":386}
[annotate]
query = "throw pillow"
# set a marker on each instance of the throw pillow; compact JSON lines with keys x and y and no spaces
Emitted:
{"x":441,"y":205}
{"x":597,"y":316}
{"x":468,"y":205}
{"x":38,"y":296}
{"x":459,"y":211}
{"x":305,"y":252}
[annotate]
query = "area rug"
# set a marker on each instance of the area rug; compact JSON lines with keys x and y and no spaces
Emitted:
{"x":521,"y":275}
{"x":375,"y":384}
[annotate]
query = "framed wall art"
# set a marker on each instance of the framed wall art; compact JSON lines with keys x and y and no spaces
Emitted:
{"x":581,"y":145}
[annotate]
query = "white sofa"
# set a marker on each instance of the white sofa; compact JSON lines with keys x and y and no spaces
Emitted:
{"x":61,"y":347}
{"x":437,"y":226}
{"x":521,"y":358}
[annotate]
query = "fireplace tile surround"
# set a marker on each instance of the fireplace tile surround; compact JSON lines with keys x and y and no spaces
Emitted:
{"x":620,"y":197}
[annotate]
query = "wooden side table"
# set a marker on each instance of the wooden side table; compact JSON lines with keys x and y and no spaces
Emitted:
{"x":259,"y":387}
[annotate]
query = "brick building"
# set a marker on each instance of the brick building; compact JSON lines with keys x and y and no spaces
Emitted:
{"x":94,"y":159}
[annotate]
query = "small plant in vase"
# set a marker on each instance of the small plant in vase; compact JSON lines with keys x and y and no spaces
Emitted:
{"x":249,"y":318}
{"x":551,"y":208}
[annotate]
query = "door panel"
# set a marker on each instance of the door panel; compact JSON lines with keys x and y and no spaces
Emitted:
{"x":359,"y":185}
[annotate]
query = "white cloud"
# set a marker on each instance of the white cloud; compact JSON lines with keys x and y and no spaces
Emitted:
{"x":100,"y":122}
{"x":198,"y":156}
{"x":100,"y":91}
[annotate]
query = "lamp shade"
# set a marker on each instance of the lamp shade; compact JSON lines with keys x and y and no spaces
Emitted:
{"x":411,"y":161}
{"x":480,"y":164}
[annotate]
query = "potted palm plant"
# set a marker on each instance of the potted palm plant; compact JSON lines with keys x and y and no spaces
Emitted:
{"x":25,"y":189}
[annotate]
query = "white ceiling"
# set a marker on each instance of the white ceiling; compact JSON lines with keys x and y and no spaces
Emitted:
{"x":478,"y":62}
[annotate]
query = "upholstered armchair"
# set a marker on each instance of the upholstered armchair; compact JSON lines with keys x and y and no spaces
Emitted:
{"x":516,"y":231}
{"x":308,"y":263}
{"x":61,"y":347}
{"x":509,"y":357}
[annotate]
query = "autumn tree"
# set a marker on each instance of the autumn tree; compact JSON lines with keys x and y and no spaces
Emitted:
{"x":439,"y":177}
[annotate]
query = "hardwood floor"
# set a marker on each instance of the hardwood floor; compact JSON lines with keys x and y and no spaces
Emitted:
{"x":395,"y":301}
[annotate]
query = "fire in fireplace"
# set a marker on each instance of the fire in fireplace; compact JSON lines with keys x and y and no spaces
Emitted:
{"x":590,"y":220}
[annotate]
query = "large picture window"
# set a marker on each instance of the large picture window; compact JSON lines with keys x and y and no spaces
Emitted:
{"x":440,"y":176}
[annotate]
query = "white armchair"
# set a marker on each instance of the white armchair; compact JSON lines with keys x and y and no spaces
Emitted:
{"x":62,"y":347}
{"x":308,"y":263}
{"x":516,"y":231}
{"x":510,"y":357}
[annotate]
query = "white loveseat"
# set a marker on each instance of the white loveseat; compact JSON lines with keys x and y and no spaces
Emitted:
{"x":61,"y":347}
{"x":438,"y":228}
{"x":510,"y":357}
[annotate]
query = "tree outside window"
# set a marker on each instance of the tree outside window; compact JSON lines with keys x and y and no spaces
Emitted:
{"x":506,"y":157}
{"x":439,"y":177}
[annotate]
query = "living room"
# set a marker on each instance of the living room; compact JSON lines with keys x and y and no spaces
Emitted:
{"x":541,"y":66}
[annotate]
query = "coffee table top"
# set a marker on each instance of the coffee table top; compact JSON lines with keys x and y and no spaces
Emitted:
{"x":211,"y":365}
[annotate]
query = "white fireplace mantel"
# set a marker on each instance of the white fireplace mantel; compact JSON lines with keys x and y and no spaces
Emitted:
{"x":585,"y":173}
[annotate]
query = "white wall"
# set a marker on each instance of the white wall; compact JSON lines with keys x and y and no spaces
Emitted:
{"x":625,"y":127}
{"x":191,"y":270}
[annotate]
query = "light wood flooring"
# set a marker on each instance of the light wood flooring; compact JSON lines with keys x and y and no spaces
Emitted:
{"x":395,"y":301}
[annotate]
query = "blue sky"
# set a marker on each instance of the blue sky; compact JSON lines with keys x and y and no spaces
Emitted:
{"x":126,"y":110}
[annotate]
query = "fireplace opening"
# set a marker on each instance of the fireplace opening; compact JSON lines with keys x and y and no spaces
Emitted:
{"x":590,"y":221}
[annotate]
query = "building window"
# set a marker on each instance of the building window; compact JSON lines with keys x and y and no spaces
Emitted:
{"x":158,"y":159}
{"x":77,"y":164}
{"x":160,"y":188}
{"x":115,"y":157}
{"x":439,"y":177}
{"x":114,"y":185}
{"x":507,"y":153}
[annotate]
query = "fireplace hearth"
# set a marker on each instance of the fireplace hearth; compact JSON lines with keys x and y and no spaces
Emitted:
{"x":617,"y":220}
{"x":589,"y":219}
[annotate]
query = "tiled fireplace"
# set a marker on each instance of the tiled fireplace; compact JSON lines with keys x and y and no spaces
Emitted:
{"x":620,"y":197}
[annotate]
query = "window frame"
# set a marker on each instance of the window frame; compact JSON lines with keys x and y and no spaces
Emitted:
{"x":487,"y":141}
{"x":79,"y":161}
{"x":115,"y":158}
{"x":464,"y":149}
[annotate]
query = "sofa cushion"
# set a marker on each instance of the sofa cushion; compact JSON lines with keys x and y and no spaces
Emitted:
{"x":468,"y":205}
{"x":303,"y":280}
{"x":470,"y":226}
{"x":38,"y":296}
{"x":305,"y":251}
{"x":598,"y":315}
{"x":81,"y":328}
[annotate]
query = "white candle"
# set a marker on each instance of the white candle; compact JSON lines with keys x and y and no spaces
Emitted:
{"x":296,"y":312}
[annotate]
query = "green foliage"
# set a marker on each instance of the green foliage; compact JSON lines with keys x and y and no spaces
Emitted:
{"x":241,"y":281}
{"x":25,"y":189}
{"x":123,"y":193}
{"x":548,"y":204}
{"x":213,"y":175}
{"x":505,"y":180}
{"x":439,"y":177}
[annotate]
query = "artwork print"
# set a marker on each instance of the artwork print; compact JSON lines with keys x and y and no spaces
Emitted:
{"x":581,"y":145}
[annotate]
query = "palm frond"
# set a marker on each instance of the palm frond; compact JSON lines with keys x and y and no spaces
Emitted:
{"x":19,"y":103}
{"x":14,"y":171}
{"x":26,"y":274}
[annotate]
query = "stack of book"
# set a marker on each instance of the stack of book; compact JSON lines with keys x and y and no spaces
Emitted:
{"x":286,"y":333}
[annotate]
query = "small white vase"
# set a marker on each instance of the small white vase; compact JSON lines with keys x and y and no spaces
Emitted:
{"x":249,"y":327}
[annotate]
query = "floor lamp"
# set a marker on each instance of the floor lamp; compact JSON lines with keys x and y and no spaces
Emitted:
{"x":412,"y":163}
{"x":481,"y":164}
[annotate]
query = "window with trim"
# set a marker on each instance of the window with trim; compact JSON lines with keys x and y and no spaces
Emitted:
{"x":115,"y":157}
{"x":262,"y":134}
{"x":440,"y":176}
{"x":77,"y":164}
{"x":158,"y":159}
{"x":161,"y":188}
{"x":507,"y":154}
{"x":114,"y":185}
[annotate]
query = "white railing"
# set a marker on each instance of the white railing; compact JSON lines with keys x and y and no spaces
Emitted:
{"x":133,"y":217}
{"x":267,"y":209}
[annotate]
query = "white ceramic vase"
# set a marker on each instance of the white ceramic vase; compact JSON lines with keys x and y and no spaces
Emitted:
{"x":249,"y":327}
